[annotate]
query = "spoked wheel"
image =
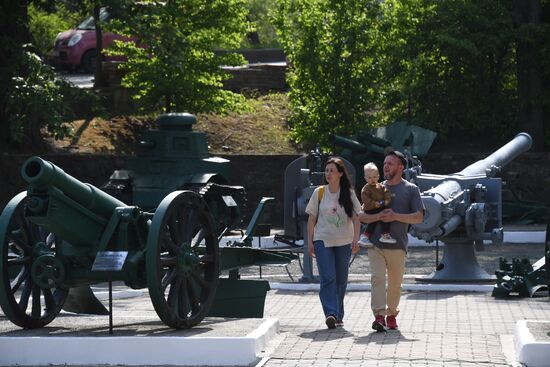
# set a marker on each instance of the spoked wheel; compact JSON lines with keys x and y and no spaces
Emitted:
{"x":28,"y":301}
{"x":182,"y":262}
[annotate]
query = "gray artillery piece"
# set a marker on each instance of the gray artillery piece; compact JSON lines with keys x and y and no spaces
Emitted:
{"x":463,"y":210}
{"x":302,"y":176}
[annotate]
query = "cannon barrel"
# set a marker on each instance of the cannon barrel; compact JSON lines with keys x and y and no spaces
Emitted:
{"x":521,"y":143}
{"x":355,"y":146}
{"x":41,"y":175}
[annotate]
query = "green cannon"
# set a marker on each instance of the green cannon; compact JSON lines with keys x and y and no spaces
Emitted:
{"x":56,"y":233}
{"x":371,"y":145}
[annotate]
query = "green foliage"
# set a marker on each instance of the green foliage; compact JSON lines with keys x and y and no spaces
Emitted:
{"x":36,"y":101}
{"x":45,"y":26}
{"x":449,"y":65}
{"x":176,"y":68}
{"x":260,"y":12}
{"x":331,"y":47}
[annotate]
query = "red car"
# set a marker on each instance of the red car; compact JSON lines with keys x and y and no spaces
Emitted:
{"x":76,"y":48}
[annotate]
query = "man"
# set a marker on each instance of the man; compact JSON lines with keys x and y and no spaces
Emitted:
{"x":405,"y":208}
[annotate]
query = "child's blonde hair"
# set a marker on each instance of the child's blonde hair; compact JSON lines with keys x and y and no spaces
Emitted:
{"x":370,"y":167}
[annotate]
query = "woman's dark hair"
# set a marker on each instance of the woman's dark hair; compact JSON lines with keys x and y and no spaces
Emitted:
{"x":345,"y":185}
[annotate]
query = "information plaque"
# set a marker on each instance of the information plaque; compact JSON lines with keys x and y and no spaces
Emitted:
{"x":109,"y":260}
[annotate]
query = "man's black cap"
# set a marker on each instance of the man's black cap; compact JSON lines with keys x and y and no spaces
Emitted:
{"x":399,"y":155}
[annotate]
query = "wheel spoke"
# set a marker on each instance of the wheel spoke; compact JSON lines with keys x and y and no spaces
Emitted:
{"x":183,"y":299}
{"x":201,"y":281}
{"x":168,"y":278}
{"x":49,"y":301}
{"x":168,"y":261}
{"x":197,"y":239}
{"x":18,"y":242}
{"x":193,"y":297}
{"x":19,"y":279}
{"x":207,"y":258}
{"x":175,"y":234}
{"x":25,"y":294}
{"x":36,"y":306}
{"x":19,"y":261}
{"x":173,"y":292}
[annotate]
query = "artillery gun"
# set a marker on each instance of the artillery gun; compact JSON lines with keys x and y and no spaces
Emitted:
{"x":302,"y":176}
{"x":174,"y":157}
{"x":464,"y":209}
{"x":53,"y":234}
{"x":371,"y":146}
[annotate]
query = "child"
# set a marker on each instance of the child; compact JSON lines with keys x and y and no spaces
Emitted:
{"x":375,"y":198}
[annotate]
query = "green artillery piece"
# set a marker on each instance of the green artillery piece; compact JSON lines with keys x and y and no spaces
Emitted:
{"x":54,"y":234}
{"x":370,"y":146}
{"x":174,"y":157}
{"x":520,"y":277}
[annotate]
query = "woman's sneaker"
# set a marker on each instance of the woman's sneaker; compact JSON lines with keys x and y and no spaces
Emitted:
{"x":365,"y":242}
{"x":331,"y":322}
{"x":387,"y":238}
{"x":339,"y":323}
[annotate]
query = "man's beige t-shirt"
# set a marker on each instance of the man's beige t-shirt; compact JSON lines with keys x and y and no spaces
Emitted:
{"x":333,"y":227}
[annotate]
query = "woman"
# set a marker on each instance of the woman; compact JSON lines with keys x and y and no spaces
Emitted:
{"x":333,"y":233}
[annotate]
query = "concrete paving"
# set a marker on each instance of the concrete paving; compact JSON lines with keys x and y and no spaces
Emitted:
{"x":435,"y":329}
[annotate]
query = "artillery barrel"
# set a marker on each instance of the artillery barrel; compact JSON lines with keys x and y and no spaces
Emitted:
{"x":521,"y":143}
{"x":41,"y":174}
{"x":354,"y":145}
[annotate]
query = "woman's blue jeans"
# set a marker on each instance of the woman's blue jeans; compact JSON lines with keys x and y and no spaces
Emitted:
{"x":333,"y":265}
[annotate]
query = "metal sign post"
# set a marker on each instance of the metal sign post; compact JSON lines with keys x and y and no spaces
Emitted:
{"x":110,"y":261}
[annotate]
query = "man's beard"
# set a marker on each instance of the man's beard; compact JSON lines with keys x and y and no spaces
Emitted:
{"x":389,"y":175}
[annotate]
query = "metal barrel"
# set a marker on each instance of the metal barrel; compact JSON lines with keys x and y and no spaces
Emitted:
{"x":41,"y":174}
{"x":354,"y":145}
{"x":521,"y":143}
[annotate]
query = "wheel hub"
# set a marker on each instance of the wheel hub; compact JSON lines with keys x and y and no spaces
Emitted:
{"x":48,"y":271}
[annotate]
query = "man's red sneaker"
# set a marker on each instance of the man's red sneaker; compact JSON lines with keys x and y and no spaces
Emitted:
{"x":379,"y":324}
{"x":391,"y":322}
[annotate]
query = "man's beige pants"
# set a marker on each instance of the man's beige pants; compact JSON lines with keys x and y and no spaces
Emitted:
{"x":386,"y":301}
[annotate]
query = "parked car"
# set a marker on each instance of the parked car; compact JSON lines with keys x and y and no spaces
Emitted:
{"x":76,"y":48}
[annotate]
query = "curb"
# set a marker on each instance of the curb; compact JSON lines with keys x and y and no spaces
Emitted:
{"x":138,"y":350}
{"x":529,"y":351}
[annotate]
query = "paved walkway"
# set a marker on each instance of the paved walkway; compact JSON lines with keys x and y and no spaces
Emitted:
{"x":435,"y":329}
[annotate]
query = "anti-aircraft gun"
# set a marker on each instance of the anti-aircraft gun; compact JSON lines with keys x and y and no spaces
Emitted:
{"x":62,"y":233}
{"x":464,"y":209}
{"x":174,"y":157}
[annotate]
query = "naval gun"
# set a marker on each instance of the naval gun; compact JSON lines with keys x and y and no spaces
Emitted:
{"x":62,"y":234}
{"x":463,"y":210}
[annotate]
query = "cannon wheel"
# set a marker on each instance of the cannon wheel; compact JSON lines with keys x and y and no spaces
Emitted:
{"x":23,"y":301}
{"x":182,"y":262}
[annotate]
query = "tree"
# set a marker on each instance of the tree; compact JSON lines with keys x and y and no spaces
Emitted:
{"x":174,"y":67}
{"x":450,"y":65}
{"x":333,"y":76}
{"x":33,"y":100}
{"x":532,"y":37}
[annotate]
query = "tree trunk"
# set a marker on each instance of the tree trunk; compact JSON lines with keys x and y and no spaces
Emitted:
{"x":531,"y":117}
{"x":99,"y":80}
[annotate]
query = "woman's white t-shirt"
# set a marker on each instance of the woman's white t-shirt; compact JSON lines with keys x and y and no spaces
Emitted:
{"x":333,"y":226}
